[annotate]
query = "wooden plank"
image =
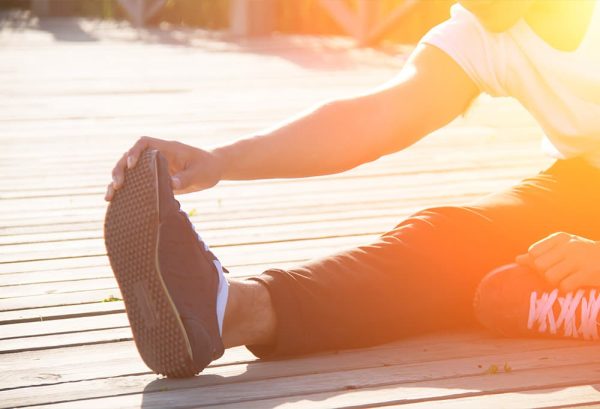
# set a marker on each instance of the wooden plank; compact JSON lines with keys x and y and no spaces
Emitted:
{"x":218,"y":201}
{"x":67,"y":265}
{"x":58,"y":275}
{"x":263,"y":252}
{"x":410,"y":164}
{"x":303,"y":227}
{"x":457,"y":138}
{"x":275,"y":214}
{"x":55,"y":264}
{"x":62,"y":287}
{"x":63,"y":340}
{"x":55,"y":300}
{"x":87,"y":362}
{"x":27,"y":368}
{"x":69,"y":275}
{"x":413,"y":350}
{"x":23,"y":252}
{"x":121,"y":358}
{"x":581,"y":396}
{"x":68,"y":311}
{"x":218,"y":207}
{"x":401,"y":383}
{"x":63,"y":326}
{"x":301,"y":249}
{"x":556,"y":395}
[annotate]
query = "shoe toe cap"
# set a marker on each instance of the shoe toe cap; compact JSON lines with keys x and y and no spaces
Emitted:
{"x":501,"y":301}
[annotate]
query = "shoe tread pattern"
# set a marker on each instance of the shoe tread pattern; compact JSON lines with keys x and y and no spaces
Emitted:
{"x":131,"y":235}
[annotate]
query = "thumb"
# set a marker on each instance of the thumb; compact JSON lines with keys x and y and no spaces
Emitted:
{"x":183,"y":182}
{"x":176,"y":182}
{"x":179,"y":181}
{"x":192,"y":179}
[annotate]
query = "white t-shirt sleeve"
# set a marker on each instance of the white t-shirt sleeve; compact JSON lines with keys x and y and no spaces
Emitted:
{"x":478,"y":52}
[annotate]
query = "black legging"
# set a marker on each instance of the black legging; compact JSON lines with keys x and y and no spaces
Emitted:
{"x":421,"y":276}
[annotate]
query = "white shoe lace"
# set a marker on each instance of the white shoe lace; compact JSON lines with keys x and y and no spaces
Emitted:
{"x":542,"y":313}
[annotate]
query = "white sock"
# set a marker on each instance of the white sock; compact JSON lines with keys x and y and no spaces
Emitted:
{"x":222,"y":294}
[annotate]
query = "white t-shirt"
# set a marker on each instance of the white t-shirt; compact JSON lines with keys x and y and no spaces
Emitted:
{"x":560,"y":89}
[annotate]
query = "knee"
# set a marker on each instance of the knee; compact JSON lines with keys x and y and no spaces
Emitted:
{"x":454,"y":235}
{"x":451,"y":215}
{"x":445,"y":222}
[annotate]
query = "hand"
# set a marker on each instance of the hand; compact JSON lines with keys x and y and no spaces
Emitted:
{"x":566,"y":261}
{"x":191,"y":169}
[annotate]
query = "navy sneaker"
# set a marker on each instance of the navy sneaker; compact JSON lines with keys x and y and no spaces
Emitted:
{"x":173,"y":286}
{"x":515,"y":301}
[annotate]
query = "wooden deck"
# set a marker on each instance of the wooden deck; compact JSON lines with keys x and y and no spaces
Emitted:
{"x":75,"y":94}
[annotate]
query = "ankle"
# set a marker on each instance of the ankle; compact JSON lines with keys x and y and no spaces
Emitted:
{"x":249,"y":316}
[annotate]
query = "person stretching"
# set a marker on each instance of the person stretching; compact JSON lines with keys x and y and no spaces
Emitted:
{"x":424,"y":274}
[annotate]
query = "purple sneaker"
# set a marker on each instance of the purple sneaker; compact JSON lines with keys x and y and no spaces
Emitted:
{"x":516,"y":301}
{"x":173,"y":286}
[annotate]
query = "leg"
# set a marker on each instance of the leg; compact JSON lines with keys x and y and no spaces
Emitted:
{"x":422,"y":275}
{"x":416,"y":278}
{"x":250,"y":316}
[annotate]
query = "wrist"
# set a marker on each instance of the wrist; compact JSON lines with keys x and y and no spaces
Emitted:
{"x":222,"y":159}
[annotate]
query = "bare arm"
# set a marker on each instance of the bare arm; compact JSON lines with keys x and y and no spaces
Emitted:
{"x":430,"y":91}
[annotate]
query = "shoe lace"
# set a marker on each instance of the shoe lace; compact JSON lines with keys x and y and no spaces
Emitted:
{"x":541,"y":312}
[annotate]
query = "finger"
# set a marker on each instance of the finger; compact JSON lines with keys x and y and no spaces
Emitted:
{"x":110,"y":192}
{"x":181,"y":184}
{"x":525,"y":260}
{"x":570,"y":284}
{"x":546,"y":244}
{"x":560,"y":271}
{"x":193,"y":179}
{"x":118,"y":172}
{"x":136,"y":150}
{"x":176,"y":183}
{"x":180,"y":187}
{"x":573,"y":282}
{"x":550,"y":258}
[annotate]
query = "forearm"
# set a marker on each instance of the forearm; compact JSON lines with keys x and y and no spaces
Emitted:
{"x":429,"y":92}
{"x":334,"y":137}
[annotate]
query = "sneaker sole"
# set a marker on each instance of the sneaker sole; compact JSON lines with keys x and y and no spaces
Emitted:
{"x":131,"y":232}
